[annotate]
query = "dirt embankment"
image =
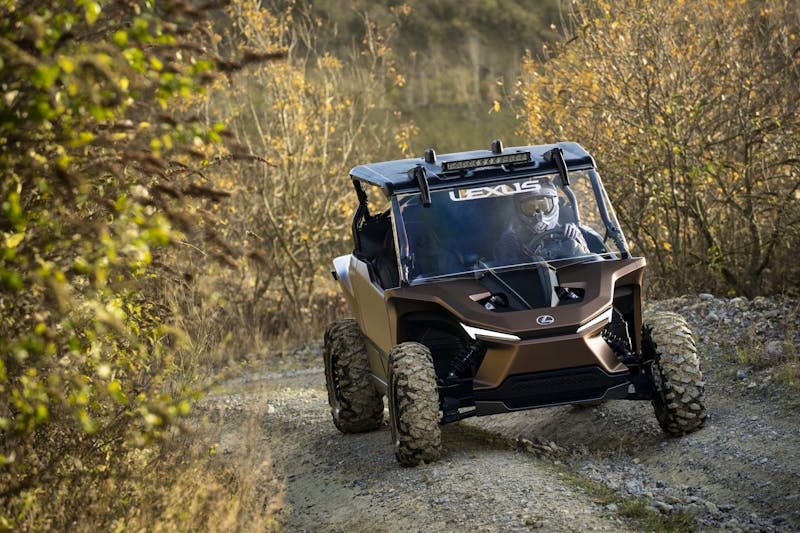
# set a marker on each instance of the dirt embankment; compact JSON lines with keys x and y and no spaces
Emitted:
{"x":605,"y":468}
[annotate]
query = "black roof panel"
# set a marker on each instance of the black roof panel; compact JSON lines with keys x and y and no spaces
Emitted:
{"x":392,"y":176}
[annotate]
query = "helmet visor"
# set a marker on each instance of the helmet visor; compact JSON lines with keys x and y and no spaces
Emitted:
{"x":536,"y":204}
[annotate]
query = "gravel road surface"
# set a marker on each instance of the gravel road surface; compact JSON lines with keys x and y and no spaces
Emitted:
{"x":602,"y":468}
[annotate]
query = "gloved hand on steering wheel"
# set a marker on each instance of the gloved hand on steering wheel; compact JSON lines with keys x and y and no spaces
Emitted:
{"x":555,"y":243}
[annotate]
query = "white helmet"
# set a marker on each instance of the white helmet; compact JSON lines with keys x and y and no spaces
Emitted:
{"x":539,"y":209}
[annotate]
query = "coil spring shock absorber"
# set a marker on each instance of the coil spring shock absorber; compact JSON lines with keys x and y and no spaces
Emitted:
{"x":620,"y":347}
{"x":464,"y":361}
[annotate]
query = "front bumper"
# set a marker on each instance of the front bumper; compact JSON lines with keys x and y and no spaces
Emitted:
{"x":555,"y":387}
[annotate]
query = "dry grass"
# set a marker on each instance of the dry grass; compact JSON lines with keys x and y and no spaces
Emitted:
{"x":196,"y":487}
{"x":180,"y":487}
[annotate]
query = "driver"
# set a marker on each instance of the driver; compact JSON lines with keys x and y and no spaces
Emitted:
{"x":535,"y":234}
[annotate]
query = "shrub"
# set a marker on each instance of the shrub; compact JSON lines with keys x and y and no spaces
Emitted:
{"x":691,"y":113}
{"x":94,"y":189}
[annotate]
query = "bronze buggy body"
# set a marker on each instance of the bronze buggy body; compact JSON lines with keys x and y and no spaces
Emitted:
{"x":449,"y":323}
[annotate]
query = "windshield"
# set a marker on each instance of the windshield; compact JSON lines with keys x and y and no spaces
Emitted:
{"x":520,"y":221}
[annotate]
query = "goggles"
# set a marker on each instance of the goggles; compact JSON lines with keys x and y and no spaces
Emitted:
{"x":536,"y":204}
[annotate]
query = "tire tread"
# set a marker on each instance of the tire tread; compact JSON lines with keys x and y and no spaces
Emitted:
{"x":677,"y":367}
{"x":415,"y":412}
{"x":360,"y":406}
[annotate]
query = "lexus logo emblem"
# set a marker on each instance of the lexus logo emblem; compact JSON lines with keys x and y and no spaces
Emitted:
{"x":545,"y":320}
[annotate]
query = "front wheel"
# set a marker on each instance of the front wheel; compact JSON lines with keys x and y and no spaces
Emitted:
{"x":679,"y":400}
{"x":414,"y":404}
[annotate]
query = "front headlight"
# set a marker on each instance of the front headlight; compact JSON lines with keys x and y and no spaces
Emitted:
{"x":602,"y":318}
{"x":486,"y":334}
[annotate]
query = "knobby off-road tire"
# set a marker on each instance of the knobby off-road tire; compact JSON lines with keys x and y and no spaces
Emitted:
{"x":414,"y":404}
{"x":679,"y":401}
{"x":356,"y":405}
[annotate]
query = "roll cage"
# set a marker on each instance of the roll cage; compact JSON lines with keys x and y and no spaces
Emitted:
{"x":384,"y":244}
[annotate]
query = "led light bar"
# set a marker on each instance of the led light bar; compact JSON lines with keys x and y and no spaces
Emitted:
{"x":518,"y":157}
{"x":488,"y":334}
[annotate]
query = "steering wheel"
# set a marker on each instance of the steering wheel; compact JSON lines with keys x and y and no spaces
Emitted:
{"x":554,"y":234}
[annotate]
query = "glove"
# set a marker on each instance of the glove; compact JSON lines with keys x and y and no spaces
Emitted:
{"x":573,"y":233}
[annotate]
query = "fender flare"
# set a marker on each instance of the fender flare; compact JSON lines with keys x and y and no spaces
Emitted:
{"x":342,"y":273}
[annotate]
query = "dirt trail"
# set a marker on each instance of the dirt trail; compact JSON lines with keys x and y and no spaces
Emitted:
{"x":522,"y":471}
{"x":740,"y":471}
{"x":337,"y":482}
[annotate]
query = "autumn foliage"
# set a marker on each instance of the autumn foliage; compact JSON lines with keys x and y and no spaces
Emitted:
{"x":100,"y":191}
{"x":691,"y":109}
{"x":313,"y":117}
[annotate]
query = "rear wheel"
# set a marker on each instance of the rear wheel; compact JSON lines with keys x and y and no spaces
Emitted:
{"x":679,"y":402}
{"x":356,"y":405}
{"x":414,"y":404}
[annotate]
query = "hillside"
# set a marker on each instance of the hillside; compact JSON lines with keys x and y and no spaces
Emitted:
{"x":456,"y":59}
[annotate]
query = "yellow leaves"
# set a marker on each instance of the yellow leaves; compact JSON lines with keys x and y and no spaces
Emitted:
{"x":41,"y":413}
{"x":114,"y":389}
{"x":151,"y":419}
{"x":495,"y":107}
{"x":83,"y":138}
{"x":12,"y":240}
{"x":120,"y":38}
{"x":330,"y":62}
{"x":65,"y":63}
{"x":92,"y":11}
{"x":166,"y":140}
{"x":10,"y":96}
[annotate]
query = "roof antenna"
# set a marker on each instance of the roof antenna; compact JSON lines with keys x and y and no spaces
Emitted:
{"x":430,"y":156}
{"x":497,"y":146}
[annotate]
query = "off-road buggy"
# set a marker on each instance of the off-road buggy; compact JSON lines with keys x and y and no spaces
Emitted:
{"x":448,"y":326}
